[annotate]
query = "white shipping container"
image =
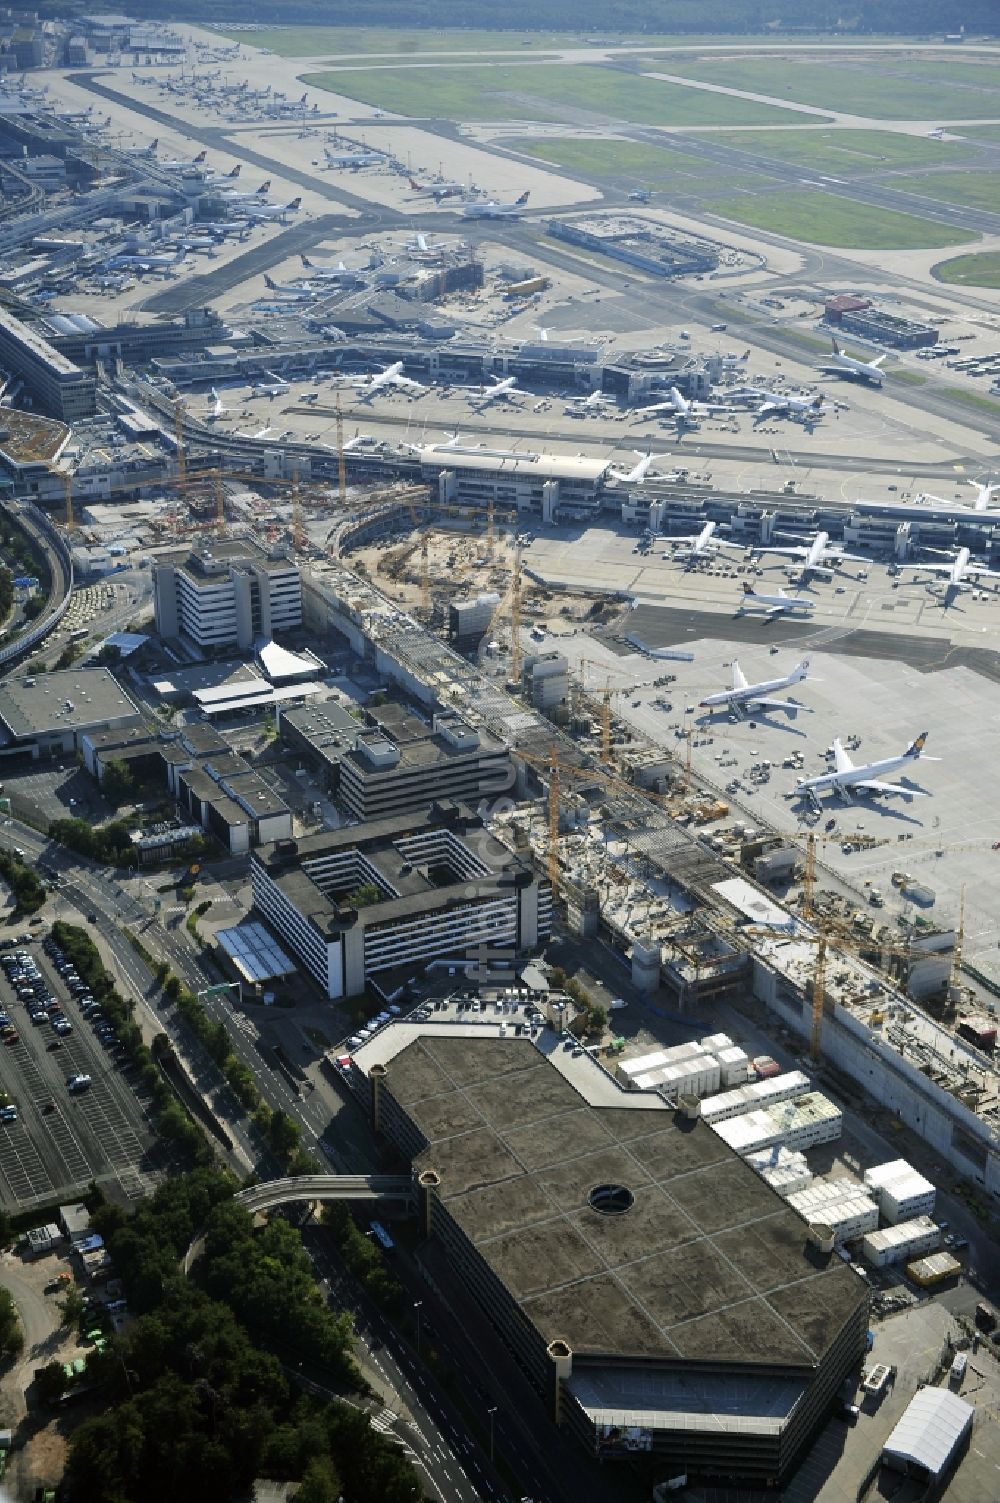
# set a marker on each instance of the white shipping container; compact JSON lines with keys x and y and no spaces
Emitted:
{"x":786,"y":1179}
{"x":750,"y":1132}
{"x":734,"y":1065}
{"x":883,"y":1174}
{"x":714,"y":1042}
{"x":906,"y":1200}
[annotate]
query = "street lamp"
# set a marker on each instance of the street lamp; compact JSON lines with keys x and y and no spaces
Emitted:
{"x":418,"y":1305}
{"x":491,"y":1413}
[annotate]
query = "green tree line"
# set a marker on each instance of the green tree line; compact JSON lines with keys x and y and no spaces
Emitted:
{"x":197,"y":1401}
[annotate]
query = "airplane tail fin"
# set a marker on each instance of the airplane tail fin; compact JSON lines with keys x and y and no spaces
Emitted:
{"x":294,"y":203}
{"x":836,"y":346}
{"x":523,"y":199}
{"x":747,"y":587}
{"x":306,"y":261}
{"x":235,"y":172}
{"x":268,"y":283}
{"x":200,"y":157}
{"x":916,"y":747}
{"x":153,"y":145}
{"x":264,"y":189}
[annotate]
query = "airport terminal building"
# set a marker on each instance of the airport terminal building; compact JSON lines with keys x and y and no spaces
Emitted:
{"x":653,"y":1285}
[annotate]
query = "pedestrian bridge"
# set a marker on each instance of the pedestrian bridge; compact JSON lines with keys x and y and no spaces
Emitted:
{"x":278,"y":1192}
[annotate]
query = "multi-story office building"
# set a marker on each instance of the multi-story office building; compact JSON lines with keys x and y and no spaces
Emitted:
{"x":60,"y":388}
{"x":357,"y":902}
{"x":653,"y":1286}
{"x":227,"y":594}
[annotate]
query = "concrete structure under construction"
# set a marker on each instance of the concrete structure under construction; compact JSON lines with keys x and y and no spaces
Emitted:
{"x":652,"y":1285}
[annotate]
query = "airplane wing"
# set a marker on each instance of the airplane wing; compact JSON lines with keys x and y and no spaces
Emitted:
{"x":410,"y":385}
{"x":849,"y":558}
{"x":778,"y":704}
{"x":877,"y":362}
{"x":788,"y":552}
{"x":929,"y":568}
{"x":842,"y":761}
{"x":890,"y":790}
{"x":981,"y":571}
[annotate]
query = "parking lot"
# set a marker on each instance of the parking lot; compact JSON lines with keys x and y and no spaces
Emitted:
{"x":62,"y":1139}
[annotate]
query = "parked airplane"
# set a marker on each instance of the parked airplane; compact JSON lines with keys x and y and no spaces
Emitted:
{"x":637,"y":475}
{"x":493,"y":210}
{"x":359,"y":441}
{"x":295,"y":292}
{"x":217,"y":408}
{"x":146,"y":263}
{"x":701,"y":544}
{"x":743,"y":696}
{"x":391,"y":376}
{"x":437,"y":190}
{"x":261,"y":432}
{"x":983,"y":501}
{"x":683,"y":409}
{"x":255,"y":212}
{"x":178,"y":164}
{"x":774,"y":605}
{"x":956,"y":570}
{"x":577,"y":406}
{"x":777,"y":405}
{"x":271,"y":386}
{"x":852,"y":369}
{"x":451,"y":442}
{"x":327,"y":273}
{"x":847,"y":779}
{"x":231,"y":196}
{"x":812,"y":554}
{"x":488,"y":394}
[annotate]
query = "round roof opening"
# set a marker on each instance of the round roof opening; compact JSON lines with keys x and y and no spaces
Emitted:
{"x":611,"y":1200}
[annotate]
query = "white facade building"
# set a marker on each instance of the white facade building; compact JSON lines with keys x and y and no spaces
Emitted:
{"x":897,"y":1244}
{"x":902,"y":1194}
{"x":228,"y":595}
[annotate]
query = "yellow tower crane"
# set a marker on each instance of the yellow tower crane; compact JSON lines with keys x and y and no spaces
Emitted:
{"x":179,"y":443}
{"x":515,"y":618}
{"x":425,"y":572}
{"x":552,"y":854}
{"x":67,"y":482}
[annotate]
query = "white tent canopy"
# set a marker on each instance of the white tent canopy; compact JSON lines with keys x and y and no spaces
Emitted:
{"x":930,"y":1431}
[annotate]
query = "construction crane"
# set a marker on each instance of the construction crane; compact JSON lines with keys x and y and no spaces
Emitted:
{"x":490,"y":527}
{"x":955,"y":978}
{"x":179,"y":442}
{"x":69,"y":520}
{"x":341,"y":459}
{"x":515,"y":618}
{"x":552,"y":853}
{"x":220,"y":502}
{"x":425,"y":576}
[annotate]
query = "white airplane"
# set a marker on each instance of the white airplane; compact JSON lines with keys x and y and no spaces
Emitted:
{"x":451,"y":442}
{"x":296,"y":292}
{"x":436,"y":190}
{"x":638,"y":474}
{"x":683,"y":409}
{"x":774,"y":605}
{"x":847,"y":779}
{"x":956,"y":571}
{"x":701,"y":544}
{"x":323,"y":271}
{"x":983,"y":501}
{"x":493,"y":210}
{"x":391,"y":376}
{"x":743,"y":696}
{"x":776,"y":405}
{"x":217,"y":409}
{"x":177,"y":166}
{"x":357,"y":442}
{"x":273,"y":386}
{"x":255,"y":212}
{"x":812,"y":554}
{"x":848,"y":366}
{"x":261,"y":432}
{"x":146,"y":263}
{"x":577,"y":406}
{"x":488,"y":394}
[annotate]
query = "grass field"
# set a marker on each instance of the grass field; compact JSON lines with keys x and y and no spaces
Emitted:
{"x":970,"y":271}
{"x":633,"y":164}
{"x":977,"y":190}
{"x":825,"y":219}
{"x":539,"y":92}
{"x":846,"y":153}
{"x":860,"y":88}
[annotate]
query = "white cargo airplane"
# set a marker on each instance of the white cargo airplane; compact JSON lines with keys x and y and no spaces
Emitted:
{"x":812,"y":554}
{"x":743,"y":696}
{"x":852,"y":369}
{"x":774,"y":605}
{"x":637,"y":475}
{"x":701,"y":544}
{"x":488,"y":394}
{"x":777,"y":405}
{"x":296,"y":292}
{"x":847,"y":779}
{"x":255,"y":212}
{"x":956,"y":571}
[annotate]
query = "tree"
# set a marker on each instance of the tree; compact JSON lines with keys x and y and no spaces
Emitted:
{"x":364,"y":896}
{"x":320,"y":1483}
{"x":11,"y":1336}
{"x":72,"y":1306}
{"x":118,"y":784}
{"x":284,"y":1133}
{"x":50,"y":1383}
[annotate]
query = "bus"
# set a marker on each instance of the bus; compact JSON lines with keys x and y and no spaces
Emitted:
{"x":381,"y":1236}
{"x":80,"y":635}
